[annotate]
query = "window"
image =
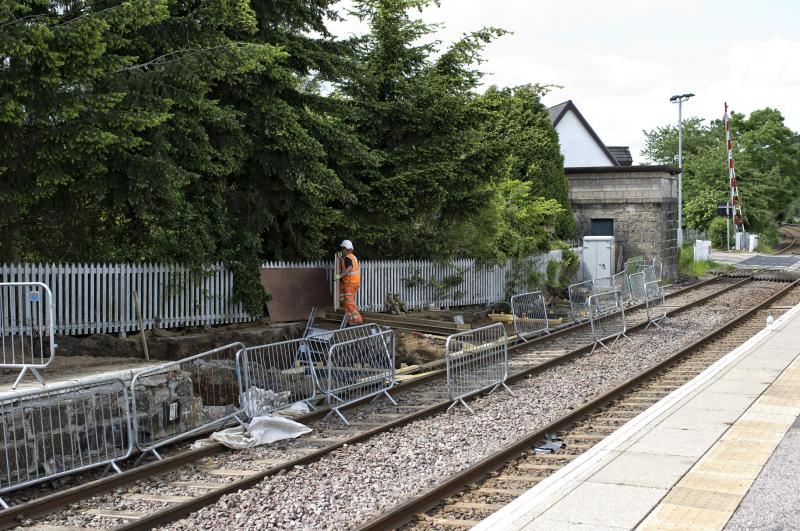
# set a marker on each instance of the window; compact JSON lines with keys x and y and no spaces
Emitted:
{"x":602,"y":227}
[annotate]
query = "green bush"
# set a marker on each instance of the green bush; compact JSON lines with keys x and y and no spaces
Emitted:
{"x":717,"y":232}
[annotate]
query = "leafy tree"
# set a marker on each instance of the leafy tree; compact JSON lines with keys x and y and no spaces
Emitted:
{"x":519,"y":122}
{"x":428,"y":170}
{"x":766,"y":158}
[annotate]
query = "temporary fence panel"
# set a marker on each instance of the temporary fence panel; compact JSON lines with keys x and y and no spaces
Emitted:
{"x":182,"y":398}
{"x":650,"y":274}
{"x":530,"y":314}
{"x":274,"y":376}
{"x":603,"y":285}
{"x":27,"y":331}
{"x":622,"y":285}
{"x":637,"y":286}
{"x":656,"y":305}
{"x":319,"y":343}
{"x":51,"y":432}
{"x":477,"y":360}
{"x":358,"y":369}
{"x":658,"y":267}
{"x":607,"y":318}
{"x":635,"y":265}
{"x":102,"y":298}
{"x":579,"y":299}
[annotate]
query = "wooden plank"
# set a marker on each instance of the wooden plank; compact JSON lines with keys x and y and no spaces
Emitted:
{"x":109,"y":513}
{"x":198,"y":484}
{"x":524,"y":479}
{"x":532,"y":466}
{"x":162,"y":498}
{"x":476,"y":506}
{"x":228,"y":472}
{"x":451,"y":522}
{"x":503,"y":492}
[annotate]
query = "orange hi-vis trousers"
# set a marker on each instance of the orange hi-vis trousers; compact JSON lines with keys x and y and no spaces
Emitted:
{"x":347,"y":300}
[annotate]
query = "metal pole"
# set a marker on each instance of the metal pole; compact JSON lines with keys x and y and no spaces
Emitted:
{"x":680,"y":176}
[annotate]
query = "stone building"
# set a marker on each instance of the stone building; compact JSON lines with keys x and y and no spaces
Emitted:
{"x":610,"y":196}
{"x":638,"y":205}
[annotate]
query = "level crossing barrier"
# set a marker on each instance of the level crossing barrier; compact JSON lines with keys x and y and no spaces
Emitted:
{"x":579,"y":294}
{"x":529,"y":311}
{"x":183,"y":398}
{"x":607,"y":318}
{"x":477,"y":360}
{"x":27,"y":332}
{"x":63,"y":429}
{"x":274,"y":376}
{"x":359,"y":368}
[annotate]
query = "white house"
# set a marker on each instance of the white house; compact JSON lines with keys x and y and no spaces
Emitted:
{"x":580,"y":145}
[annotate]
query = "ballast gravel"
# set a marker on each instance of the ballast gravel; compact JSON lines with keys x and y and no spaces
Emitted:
{"x":354,"y":483}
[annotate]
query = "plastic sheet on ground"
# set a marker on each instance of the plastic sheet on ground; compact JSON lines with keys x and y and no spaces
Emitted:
{"x":261,"y":430}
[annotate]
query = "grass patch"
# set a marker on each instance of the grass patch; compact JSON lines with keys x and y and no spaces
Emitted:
{"x":688,"y":267}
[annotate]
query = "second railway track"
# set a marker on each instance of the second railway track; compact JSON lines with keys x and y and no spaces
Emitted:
{"x":162,"y":496}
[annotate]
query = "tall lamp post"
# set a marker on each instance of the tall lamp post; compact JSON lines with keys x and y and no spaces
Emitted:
{"x":679,"y":99}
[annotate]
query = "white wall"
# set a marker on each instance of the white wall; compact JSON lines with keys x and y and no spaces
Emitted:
{"x":578,"y":146}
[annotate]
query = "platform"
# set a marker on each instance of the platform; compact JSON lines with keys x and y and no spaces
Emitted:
{"x":745,"y":260}
{"x":688,"y":461}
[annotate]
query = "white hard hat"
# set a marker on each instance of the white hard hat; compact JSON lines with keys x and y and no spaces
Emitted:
{"x":347,"y":244}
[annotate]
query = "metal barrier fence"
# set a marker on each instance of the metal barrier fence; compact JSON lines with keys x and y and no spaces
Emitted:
{"x":658,"y":266}
{"x":359,"y":368}
{"x":603,"y":285}
{"x":655,"y":304}
{"x":63,"y":430}
{"x":650,"y":274}
{"x":183,"y":398}
{"x":637,"y":286}
{"x":579,"y":299}
{"x":27,"y":331}
{"x":274,"y":376}
{"x":607,"y":318}
{"x":530,"y":314}
{"x":622,"y":285}
{"x":476,"y":360}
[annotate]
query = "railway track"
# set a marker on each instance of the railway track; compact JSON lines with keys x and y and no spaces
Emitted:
{"x":461,"y":501}
{"x":208,"y":480}
{"x":791,"y":234}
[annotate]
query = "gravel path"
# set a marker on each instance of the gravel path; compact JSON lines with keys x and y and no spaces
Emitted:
{"x":352,"y":484}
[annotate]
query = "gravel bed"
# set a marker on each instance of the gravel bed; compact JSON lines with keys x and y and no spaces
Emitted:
{"x":353,"y":483}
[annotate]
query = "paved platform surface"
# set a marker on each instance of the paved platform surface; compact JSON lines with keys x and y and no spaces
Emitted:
{"x":689,"y":460}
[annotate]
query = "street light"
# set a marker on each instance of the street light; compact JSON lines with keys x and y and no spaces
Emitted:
{"x":679,"y":99}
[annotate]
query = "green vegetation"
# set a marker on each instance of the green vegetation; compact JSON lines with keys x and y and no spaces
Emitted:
{"x":688,"y":267}
{"x":196,"y":131}
{"x":767,"y":159}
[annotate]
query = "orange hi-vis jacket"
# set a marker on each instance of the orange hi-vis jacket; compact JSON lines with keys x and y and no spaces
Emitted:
{"x":354,"y":276}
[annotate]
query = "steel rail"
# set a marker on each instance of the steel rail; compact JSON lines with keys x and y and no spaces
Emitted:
{"x":46,"y":504}
{"x":183,"y":509}
{"x":793,"y":231}
{"x":457,"y":483}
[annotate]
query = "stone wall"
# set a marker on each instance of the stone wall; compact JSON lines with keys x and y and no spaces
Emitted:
{"x":56,"y":431}
{"x":642,"y":201}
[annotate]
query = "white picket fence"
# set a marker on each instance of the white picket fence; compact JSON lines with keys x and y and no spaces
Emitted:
{"x":415,"y":281}
{"x":100,"y":298}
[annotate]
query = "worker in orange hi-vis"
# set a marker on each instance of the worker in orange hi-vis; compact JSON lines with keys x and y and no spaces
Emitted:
{"x":349,"y":278}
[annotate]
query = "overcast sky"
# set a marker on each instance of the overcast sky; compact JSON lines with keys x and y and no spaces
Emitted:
{"x":619,"y":61}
